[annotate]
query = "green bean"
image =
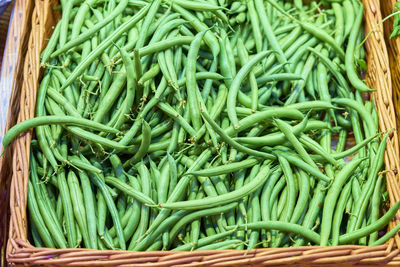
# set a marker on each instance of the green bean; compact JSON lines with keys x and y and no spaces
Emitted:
{"x":50,"y":222}
{"x":165,"y":44}
{"x":144,"y":218}
{"x":151,"y":73}
{"x":332,"y":67}
{"x":147,"y":21}
{"x":223,"y":60}
{"x":339,"y":25}
{"x":197,"y":6}
{"x":228,"y":244}
{"x":323,"y":36}
{"x":67,"y":7}
{"x":108,"y":240}
{"x":87,"y":34}
{"x":109,"y":98}
{"x":169,"y":110}
{"x":37,"y":241}
{"x":244,"y":57}
{"x":298,"y":91}
{"x":191,"y":80}
{"x":61,"y":100}
{"x":70,"y":92}
{"x":369,"y":187}
{"x":56,"y":120}
{"x":349,"y":17}
{"x":144,"y":146}
{"x":341,"y":143}
{"x":174,"y":173}
{"x":79,"y":209}
{"x":171,"y":220}
{"x":386,"y":237}
{"x":322,"y":81}
{"x":37,"y":219}
{"x":89,"y":204}
{"x":205,"y":181}
{"x":367,"y":117}
{"x":199,"y":26}
{"x":111,"y":207}
{"x":100,"y":49}
{"x":79,"y":234}
{"x":381,"y":222}
{"x":278,"y":77}
{"x":68,"y":209}
{"x":258,"y":117}
{"x":374,"y":215}
{"x":202,"y":76}
{"x":209,"y":227}
{"x":349,"y":62}
{"x":232,"y":142}
{"x":204,"y":241}
{"x":234,"y":88}
{"x":216,"y":109}
{"x":44,"y":146}
{"x":157,"y":131}
{"x":282,"y":226}
{"x":167,"y":24}
{"x":304,"y":166}
{"x":228,"y":168}
{"x":291,"y":194}
{"x":198,"y":214}
{"x":315,"y":147}
{"x":76,"y":161}
{"x":45,"y":55}
{"x":273,"y":138}
{"x":163,"y":184}
{"x":331,"y":198}
{"x":287,"y":131}
{"x":268,"y":32}
{"x":239,"y":181}
{"x":337,"y":219}
{"x":210,"y":202}
{"x":129,"y":190}
{"x":131,"y":88}
{"x":59,"y":209}
{"x":101,"y":214}
{"x":304,"y":190}
{"x":134,"y":219}
{"x":255,"y":25}
{"x":229,"y":52}
{"x":177,"y":117}
{"x":355,"y":148}
{"x":313,"y":30}
{"x":266,"y":198}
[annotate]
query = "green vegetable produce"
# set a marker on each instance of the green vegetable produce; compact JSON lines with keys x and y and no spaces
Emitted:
{"x":192,"y":125}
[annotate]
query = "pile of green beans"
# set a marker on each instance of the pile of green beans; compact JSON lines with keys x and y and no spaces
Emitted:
{"x":192,"y":125}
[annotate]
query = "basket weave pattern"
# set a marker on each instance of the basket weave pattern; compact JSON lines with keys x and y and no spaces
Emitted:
{"x":394,"y":53}
{"x":20,"y":251}
{"x":12,"y":63}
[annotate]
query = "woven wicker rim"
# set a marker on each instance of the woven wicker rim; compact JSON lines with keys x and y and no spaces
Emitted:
{"x":394,"y":55}
{"x":20,"y":251}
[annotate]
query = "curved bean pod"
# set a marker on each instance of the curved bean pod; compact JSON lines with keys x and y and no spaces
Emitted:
{"x":282,"y":226}
{"x":210,"y":202}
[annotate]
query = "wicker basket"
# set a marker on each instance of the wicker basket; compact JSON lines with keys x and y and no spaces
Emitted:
{"x":20,"y":251}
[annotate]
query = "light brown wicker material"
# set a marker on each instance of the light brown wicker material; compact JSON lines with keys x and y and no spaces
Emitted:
{"x":20,"y":251}
{"x":394,"y":54}
{"x":12,"y":63}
